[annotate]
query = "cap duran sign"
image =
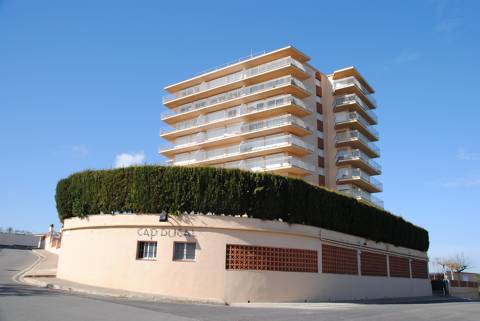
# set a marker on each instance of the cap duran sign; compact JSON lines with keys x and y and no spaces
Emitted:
{"x":172,"y":232}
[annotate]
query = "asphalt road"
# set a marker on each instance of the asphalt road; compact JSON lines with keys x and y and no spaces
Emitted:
{"x":20,"y":302}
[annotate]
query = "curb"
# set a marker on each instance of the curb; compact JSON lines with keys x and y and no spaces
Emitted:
{"x":20,"y":276}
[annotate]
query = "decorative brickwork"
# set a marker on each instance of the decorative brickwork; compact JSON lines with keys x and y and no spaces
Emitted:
{"x":247,"y":257}
{"x":320,"y":143}
{"x":339,"y":260}
{"x":373,"y":264}
{"x":319,"y":108}
{"x":419,"y":269}
{"x":321,"y":161}
{"x":321,"y":180}
{"x":319,"y":125}
{"x":399,"y":267}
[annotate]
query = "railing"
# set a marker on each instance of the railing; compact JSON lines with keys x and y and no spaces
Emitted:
{"x":245,"y":147}
{"x":354,"y":116}
{"x":237,"y":93}
{"x":357,"y":192}
{"x":246,"y":128}
{"x":352,"y":98}
{"x":274,"y":163}
{"x":356,"y":135}
{"x":358,"y":154}
{"x":231,"y":78}
{"x":356,"y":173}
{"x":352,"y":81}
{"x":242,"y":110}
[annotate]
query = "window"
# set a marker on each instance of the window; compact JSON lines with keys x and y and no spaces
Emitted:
{"x":184,"y":251}
{"x":146,"y":250}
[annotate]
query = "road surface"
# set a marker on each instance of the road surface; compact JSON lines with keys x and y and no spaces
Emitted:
{"x":20,"y":302}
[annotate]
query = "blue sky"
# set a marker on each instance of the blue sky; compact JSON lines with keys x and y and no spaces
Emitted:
{"x":81,"y":84}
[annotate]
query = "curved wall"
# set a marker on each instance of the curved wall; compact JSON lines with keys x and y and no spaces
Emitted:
{"x":101,"y":250}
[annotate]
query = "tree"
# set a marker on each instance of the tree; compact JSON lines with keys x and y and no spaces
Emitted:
{"x":456,"y":263}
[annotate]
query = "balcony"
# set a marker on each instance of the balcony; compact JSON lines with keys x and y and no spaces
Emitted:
{"x":362,"y":195}
{"x":274,"y":69}
{"x":356,"y":140}
{"x":258,"y":109}
{"x":250,"y":61}
{"x":240,"y":132}
{"x":259,"y":147}
{"x":351,"y":85}
{"x":358,"y":177}
{"x":279,"y":86}
{"x":351,"y":71}
{"x":352,"y":102}
{"x":357,"y":158}
{"x":354,"y":120}
{"x":283,"y":165}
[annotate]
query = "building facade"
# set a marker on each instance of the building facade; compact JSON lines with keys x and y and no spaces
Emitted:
{"x":274,"y":112}
{"x":226,"y":259}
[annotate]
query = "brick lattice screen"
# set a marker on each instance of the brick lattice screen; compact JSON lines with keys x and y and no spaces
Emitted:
{"x":247,"y":257}
{"x":373,"y":264}
{"x":399,"y":267}
{"x":419,"y":269}
{"x":339,"y":260}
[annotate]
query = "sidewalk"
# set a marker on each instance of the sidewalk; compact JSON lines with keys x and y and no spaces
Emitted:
{"x":43,"y":274}
{"x":46,"y":267}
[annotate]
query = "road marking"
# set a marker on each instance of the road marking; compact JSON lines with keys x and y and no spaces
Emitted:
{"x":18,"y":278}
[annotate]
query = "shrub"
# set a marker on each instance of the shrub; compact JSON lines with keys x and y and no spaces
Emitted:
{"x":153,"y":189}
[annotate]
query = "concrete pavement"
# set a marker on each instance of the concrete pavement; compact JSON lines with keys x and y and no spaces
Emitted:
{"x":23,"y":302}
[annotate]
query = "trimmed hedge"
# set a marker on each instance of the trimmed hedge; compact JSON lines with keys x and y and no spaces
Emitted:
{"x":153,"y":189}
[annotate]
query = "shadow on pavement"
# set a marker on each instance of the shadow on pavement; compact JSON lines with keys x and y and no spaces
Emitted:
{"x":22,"y":290}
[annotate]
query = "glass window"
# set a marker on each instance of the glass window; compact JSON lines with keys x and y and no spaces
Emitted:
{"x":184,"y":251}
{"x":146,"y":250}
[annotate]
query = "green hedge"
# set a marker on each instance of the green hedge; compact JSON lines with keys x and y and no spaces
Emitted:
{"x":152,"y":189}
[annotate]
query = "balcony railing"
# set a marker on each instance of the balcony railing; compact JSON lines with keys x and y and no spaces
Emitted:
{"x":271,"y":164}
{"x":359,"y":193}
{"x":356,"y":135}
{"x":354,"y":116}
{"x":358,"y":154}
{"x":242,"y":110}
{"x":246,"y":128}
{"x":237,"y":93}
{"x":352,"y":81}
{"x":356,"y":173}
{"x":245,"y":147}
{"x":240,"y":75}
{"x":351,"y":99}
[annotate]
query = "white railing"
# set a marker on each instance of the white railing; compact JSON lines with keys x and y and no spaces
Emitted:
{"x":356,"y":173}
{"x":237,"y":93}
{"x":354,"y":116}
{"x":245,"y":147}
{"x":356,"y":135}
{"x":352,"y":98}
{"x":243,"y":129}
{"x":241,"y":110}
{"x":237,"y":76}
{"x":275,"y":163}
{"x":359,"y":193}
{"x":358,"y":154}
{"x":352,"y":81}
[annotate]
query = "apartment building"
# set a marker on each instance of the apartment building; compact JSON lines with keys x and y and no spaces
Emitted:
{"x":274,"y":112}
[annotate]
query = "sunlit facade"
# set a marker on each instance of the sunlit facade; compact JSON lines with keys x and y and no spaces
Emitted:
{"x":274,"y":112}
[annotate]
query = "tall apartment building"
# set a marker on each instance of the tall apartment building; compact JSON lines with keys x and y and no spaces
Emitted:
{"x":274,"y":112}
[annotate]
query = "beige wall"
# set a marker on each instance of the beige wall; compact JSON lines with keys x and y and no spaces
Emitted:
{"x":100,"y":250}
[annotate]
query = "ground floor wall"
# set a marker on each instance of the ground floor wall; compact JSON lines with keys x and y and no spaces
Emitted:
{"x":234,"y":259}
